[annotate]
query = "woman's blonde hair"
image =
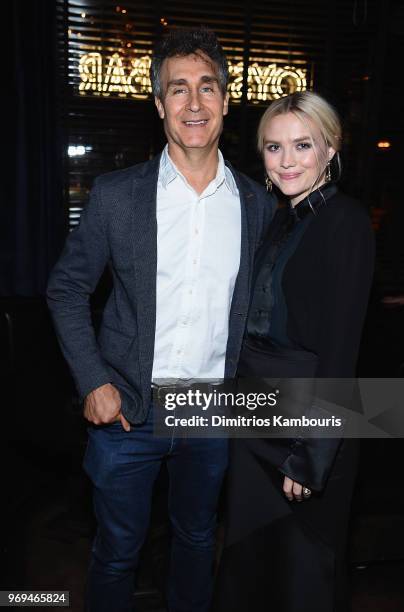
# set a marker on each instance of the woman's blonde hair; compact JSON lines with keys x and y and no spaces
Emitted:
{"x":305,"y":105}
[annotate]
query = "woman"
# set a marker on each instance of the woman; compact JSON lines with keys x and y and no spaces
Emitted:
{"x":285,"y":541}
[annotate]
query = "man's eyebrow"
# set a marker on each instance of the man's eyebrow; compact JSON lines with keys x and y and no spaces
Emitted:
{"x":177,"y":82}
{"x":209,"y":79}
{"x":204,"y":79}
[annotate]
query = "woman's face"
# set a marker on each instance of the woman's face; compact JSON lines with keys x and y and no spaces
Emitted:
{"x":295,"y":155}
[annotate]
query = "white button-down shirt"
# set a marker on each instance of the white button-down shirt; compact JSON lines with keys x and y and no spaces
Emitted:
{"x":198,"y":257}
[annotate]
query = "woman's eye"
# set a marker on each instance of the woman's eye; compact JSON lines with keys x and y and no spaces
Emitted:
{"x":272,"y":147}
{"x":304,"y":145}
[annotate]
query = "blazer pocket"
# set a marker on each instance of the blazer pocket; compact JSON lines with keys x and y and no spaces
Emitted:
{"x":114,"y":342}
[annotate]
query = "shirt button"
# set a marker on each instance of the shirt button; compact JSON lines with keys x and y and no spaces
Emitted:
{"x":190,"y":292}
{"x":196,"y":231}
{"x":195,"y":262}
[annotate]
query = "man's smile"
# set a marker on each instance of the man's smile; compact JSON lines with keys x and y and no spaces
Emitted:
{"x":196,"y":122}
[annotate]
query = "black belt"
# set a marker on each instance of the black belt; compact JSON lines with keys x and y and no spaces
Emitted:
{"x":181,"y":386}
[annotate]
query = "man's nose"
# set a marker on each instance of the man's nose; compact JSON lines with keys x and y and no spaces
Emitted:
{"x":194,"y":103}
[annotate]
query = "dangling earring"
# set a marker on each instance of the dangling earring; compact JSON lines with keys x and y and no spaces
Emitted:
{"x":268,"y":183}
{"x":328,"y":172}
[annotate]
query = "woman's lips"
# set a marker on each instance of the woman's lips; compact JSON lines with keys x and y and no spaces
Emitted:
{"x":289,"y":177}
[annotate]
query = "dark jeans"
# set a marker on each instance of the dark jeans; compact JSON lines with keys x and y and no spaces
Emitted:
{"x":123,"y":467}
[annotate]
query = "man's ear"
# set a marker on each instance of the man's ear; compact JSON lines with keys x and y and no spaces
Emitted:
{"x":160,"y":107}
{"x":226,"y":104}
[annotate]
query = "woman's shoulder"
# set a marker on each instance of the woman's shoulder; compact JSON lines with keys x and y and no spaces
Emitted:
{"x":342,"y":208}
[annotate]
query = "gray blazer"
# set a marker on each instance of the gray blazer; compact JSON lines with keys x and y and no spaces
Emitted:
{"x":118,"y":228}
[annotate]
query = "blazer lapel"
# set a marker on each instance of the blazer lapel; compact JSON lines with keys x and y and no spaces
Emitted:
{"x":144,"y":223}
{"x":240,"y":302}
{"x":248,"y":240}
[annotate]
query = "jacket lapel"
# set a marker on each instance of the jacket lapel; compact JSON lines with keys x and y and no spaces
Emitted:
{"x":144,"y":223}
{"x":240,"y":302}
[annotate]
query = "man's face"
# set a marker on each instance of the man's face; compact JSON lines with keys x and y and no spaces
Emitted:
{"x":192,"y":104}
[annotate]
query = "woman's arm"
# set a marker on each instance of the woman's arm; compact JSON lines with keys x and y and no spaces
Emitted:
{"x":342,"y":305}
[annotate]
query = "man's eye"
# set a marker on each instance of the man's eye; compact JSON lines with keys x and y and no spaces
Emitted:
{"x":179,"y":91}
{"x":207,"y":89}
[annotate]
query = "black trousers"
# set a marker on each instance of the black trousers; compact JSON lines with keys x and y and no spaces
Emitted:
{"x":284,"y":556}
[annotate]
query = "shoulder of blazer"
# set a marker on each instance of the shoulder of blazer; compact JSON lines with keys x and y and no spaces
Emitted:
{"x":117,"y":190}
{"x":342,"y":208}
{"x":244,"y":184}
{"x":120,"y":178}
{"x":252,"y":190}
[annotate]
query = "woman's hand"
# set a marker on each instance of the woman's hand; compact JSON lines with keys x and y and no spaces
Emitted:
{"x":292,"y":489}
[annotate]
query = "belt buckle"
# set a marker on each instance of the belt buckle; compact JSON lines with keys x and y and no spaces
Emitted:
{"x":161,"y":389}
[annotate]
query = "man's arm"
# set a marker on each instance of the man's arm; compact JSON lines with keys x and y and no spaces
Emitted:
{"x":71,"y":283}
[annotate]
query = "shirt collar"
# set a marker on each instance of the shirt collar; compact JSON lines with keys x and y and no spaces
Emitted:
{"x":313,"y":201}
{"x":168,"y":172}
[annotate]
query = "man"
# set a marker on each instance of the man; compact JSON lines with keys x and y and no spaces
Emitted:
{"x":179,"y":234}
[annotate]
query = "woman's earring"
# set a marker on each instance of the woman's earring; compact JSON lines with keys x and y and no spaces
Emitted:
{"x":268,"y":183}
{"x":328,"y":172}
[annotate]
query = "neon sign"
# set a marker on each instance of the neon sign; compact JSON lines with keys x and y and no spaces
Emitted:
{"x":266,"y":81}
{"x":130,"y":77}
